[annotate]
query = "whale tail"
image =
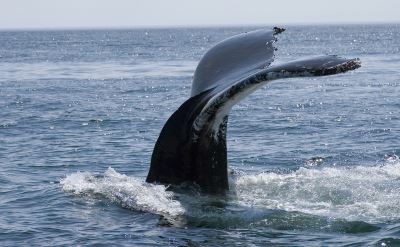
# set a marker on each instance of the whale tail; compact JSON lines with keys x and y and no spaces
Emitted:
{"x":191,"y":147}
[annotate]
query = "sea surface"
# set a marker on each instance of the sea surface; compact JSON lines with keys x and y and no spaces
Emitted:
{"x":313,"y":161}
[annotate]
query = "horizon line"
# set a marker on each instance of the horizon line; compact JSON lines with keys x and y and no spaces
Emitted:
{"x":194,"y":26}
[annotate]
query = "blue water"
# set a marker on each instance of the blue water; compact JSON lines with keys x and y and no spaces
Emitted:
{"x":81,"y":111}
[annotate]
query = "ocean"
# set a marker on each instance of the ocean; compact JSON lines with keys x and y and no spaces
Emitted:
{"x":313,"y":161}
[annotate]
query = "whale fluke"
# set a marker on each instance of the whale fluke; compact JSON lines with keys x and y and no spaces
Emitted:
{"x":191,"y":147}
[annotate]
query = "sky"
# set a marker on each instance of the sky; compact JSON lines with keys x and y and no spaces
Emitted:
{"x":62,"y":14}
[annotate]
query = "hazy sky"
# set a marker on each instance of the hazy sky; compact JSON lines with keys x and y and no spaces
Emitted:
{"x":21,"y":14}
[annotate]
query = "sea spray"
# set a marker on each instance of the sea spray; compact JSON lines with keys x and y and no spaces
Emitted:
{"x":130,"y":192}
{"x":368,"y":193}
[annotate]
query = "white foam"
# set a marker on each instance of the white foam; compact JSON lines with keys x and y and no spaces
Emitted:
{"x":356,"y":193}
{"x":367,"y":193}
{"x":130,"y":192}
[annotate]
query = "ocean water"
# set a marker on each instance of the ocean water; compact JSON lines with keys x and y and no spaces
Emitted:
{"x":313,"y":161}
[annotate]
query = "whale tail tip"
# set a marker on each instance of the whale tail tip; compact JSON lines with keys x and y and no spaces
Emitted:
{"x":192,"y":144}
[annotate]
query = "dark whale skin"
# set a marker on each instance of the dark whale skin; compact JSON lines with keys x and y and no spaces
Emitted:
{"x":191,"y":148}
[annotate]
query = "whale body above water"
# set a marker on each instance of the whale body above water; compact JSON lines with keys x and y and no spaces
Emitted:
{"x":191,"y":147}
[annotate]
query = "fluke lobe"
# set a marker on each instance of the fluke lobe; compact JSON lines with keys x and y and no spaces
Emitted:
{"x":191,"y":147}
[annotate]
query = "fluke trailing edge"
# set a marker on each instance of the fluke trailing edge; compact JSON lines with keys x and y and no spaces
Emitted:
{"x":192,"y":144}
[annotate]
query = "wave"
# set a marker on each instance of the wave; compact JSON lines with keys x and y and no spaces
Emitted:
{"x":95,"y":70}
{"x":130,"y":192}
{"x":337,"y":194}
{"x":368,"y":193}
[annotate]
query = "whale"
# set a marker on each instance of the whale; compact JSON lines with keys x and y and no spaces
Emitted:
{"x":191,"y":148}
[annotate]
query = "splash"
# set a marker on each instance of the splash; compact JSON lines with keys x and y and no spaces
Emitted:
{"x":359,"y":193}
{"x":356,"y":193}
{"x":129,"y":192}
